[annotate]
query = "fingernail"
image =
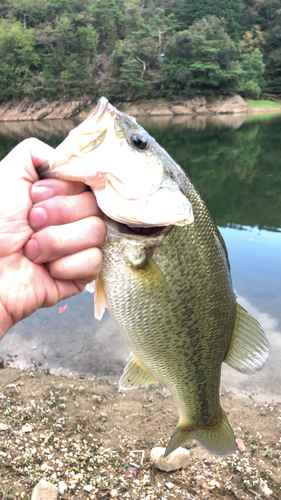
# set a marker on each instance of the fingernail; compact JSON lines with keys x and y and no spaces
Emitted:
{"x":38,"y":217}
{"x":41,"y":193}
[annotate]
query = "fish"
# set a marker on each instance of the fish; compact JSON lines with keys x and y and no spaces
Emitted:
{"x":165,"y":277}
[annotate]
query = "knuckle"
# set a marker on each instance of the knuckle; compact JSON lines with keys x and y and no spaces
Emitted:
{"x":99,"y":230}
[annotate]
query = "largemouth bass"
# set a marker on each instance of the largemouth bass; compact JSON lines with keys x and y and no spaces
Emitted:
{"x":165,"y":277}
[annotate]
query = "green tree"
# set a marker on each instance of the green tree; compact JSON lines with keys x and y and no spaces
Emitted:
{"x":253,"y":67}
{"x":131,"y":71}
{"x":18,"y":59}
{"x":29,"y":12}
{"x":89,"y":40}
{"x":108,"y":21}
{"x":188,"y":12}
{"x":202,"y":60}
{"x":273,"y":48}
{"x":255,"y":14}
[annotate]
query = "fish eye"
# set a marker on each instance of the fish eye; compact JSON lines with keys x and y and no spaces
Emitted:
{"x":138,"y":140}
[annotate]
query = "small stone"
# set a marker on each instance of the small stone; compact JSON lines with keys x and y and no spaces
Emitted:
{"x":27,"y":428}
{"x":62,"y":488}
{"x":3,"y":427}
{"x":178,"y":459}
{"x":96,"y":398}
{"x":208,"y":462}
{"x":207,"y":474}
{"x":170,"y":485}
{"x":113,"y":493}
{"x":88,"y":487}
{"x":266,"y":490}
{"x":45,"y":491}
{"x":240,"y":444}
{"x":215,"y":483}
{"x":131,"y":472}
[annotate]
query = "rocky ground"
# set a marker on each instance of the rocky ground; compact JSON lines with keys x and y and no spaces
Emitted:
{"x":178,"y":106}
{"x":92,"y":441}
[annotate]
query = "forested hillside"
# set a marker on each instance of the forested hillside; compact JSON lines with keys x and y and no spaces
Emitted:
{"x":136,"y":49}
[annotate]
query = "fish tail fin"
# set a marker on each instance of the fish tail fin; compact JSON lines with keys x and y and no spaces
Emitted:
{"x":218,"y":439}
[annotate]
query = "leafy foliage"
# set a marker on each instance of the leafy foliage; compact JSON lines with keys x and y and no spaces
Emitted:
{"x":202,"y":60}
{"x":131,"y":49}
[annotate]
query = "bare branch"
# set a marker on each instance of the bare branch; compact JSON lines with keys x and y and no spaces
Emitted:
{"x":144,"y":65}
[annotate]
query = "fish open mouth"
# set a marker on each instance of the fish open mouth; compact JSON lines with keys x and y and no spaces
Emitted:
{"x":140,"y":231}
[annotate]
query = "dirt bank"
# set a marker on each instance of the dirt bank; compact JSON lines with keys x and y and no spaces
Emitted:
{"x":97,"y":440}
{"x":199,"y":105}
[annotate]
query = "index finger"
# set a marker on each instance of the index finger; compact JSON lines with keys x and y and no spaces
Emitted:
{"x":48,"y":188}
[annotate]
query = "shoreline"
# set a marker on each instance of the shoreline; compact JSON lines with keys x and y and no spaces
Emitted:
{"x":176,"y":107}
{"x":97,"y":440}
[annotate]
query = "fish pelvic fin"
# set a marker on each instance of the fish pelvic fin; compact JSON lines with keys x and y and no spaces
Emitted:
{"x":218,"y":439}
{"x":135,"y":374}
{"x":99,"y":298}
{"x":249,"y":347}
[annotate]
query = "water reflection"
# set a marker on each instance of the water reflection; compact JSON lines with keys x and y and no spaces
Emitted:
{"x":195,"y":122}
{"x":70,"y":342}
{"x":236,"y":167}
{"x":43,"y":129}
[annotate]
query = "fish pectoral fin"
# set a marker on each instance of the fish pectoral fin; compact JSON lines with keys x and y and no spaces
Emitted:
{"x":97,"y":288}
{"x":249,"y":347}
{"x":135,"y":374}
{"x":142,"y":262}
{"x":218,"y":439}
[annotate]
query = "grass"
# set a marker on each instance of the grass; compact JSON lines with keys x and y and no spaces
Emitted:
{"x":262,"y":104}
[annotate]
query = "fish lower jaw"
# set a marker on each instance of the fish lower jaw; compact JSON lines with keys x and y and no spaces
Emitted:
{"x":134,"y":233}
{"x":140,"y":230}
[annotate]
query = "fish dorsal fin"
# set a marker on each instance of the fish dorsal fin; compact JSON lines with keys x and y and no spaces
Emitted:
{"x":135,"y":374}
{"x":142,"y":262}
{"x":99,"y":296}
{"x":249,"y":347}
{"x":217,"y":438}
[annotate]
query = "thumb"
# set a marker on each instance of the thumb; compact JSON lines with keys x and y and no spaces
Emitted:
{"x":22,"y":161}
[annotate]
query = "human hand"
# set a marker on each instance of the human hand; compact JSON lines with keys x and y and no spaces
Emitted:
{"x":50,"y":231}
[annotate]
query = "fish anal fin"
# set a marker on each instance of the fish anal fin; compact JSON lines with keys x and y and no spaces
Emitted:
{"x":99,"y":298}
{"x":135,"y":374}
{"x":249,"y":347}
{"x":218,"y":439}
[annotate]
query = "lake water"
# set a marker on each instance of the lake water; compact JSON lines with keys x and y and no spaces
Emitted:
{"x":236,"y":165}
